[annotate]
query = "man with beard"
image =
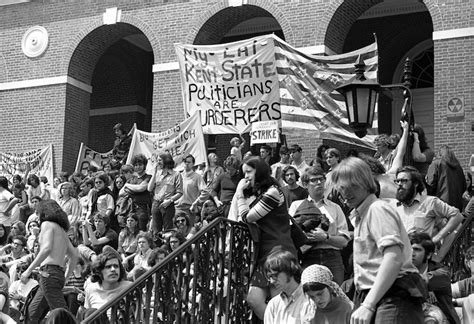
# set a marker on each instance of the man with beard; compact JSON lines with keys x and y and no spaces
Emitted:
{"x":420,"y":212}
{"x":292,"y":191}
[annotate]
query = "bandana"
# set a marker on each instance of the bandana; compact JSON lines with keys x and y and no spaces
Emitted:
{"x":320,"y":274}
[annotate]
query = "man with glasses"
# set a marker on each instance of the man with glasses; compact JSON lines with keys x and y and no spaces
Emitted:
{"x":420,"y":212}
{"x":389,"y":288}
{"x":324,"y":223}
{"x":289,"y":303}
{"x":16,"y":254}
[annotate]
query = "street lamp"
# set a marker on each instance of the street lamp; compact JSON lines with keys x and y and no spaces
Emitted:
{"x":361,"y":95}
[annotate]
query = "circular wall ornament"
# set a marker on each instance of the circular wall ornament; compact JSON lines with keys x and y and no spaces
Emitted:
{"x":35,"y":41}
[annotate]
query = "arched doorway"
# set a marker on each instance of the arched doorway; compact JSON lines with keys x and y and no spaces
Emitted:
{"x":422,"y":80}
{"x":399,"y":26}
{"x":229,"y":25}
{"x":116,"y":60}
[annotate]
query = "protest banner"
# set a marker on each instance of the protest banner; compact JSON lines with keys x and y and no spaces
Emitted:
{"x":265,"y":132}
{"x":40,"y":162}
{"x":264,"y":78}
{"x":88,"y":156}
{"x":230,"y":85}
{"x":179,"y":141}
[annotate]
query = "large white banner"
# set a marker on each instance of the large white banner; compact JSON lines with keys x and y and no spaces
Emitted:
{"x":183,"y":139}
{"x":230,"y":85}
{"x":88,"y":156}
{"x":40,"y":162}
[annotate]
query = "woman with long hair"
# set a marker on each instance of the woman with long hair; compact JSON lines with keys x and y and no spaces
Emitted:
{"x":213,"y":170}
{"x":102,"y":201}
{"x":3,"y":235}
{"x":421,"y":152}
{"x":445,"y":178}
{"x":118,"y":184}
{"x":127,"y":242}
{"x":268,"y":211}
{"x":333,"y":157}
{"x":69,"y":203}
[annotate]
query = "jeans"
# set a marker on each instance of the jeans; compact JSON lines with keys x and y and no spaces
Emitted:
{"x":162,"y":217}
{"x":327,"y":257}
{"x":394,"y":310}
{"x":50,"y":293}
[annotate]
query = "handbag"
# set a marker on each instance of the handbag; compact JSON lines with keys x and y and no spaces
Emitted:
{"x":297,"y":234}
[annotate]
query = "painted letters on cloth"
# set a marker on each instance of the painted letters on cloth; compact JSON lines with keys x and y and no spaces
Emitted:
{"x":88,"y":156}
{"x":40,"y":162}
{"x":183,"y":139}
{"x":231,"y":85}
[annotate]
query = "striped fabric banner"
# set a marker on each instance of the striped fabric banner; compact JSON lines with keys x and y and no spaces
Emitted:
{"x":309,"y":103}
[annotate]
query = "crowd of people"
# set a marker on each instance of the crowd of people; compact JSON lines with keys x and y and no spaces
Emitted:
{"x":339,"y":238}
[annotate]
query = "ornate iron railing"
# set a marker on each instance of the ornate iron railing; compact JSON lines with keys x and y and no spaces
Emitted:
{"x":455,"y":245}
{"x":204,"y":281}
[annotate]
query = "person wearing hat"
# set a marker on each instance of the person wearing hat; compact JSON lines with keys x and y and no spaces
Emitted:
{"x":324,"y":223}
{"x":297,"y":159}
{"x":328,"y":301}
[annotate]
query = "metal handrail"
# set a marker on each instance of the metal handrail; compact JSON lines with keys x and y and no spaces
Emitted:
{"x":205,"y":280}
{"x":451,"y":253}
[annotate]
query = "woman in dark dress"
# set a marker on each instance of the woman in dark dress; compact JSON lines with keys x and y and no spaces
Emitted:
{"x":262,"y":203}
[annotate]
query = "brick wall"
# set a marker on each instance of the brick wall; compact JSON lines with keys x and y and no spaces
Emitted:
{"x":62,"y":111}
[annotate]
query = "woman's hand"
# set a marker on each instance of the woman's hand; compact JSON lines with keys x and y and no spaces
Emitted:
{"x":243,"y":184}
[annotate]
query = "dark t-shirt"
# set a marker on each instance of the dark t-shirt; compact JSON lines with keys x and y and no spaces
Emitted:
{"x":113,"y":240}
{"x":144,"y":197}
{"x":291,"y":195}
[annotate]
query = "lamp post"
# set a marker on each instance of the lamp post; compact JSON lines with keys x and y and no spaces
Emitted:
{"x":361,"y":95}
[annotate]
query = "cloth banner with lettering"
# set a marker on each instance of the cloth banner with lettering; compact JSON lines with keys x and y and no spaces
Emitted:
{"x":40,"y":162}
{"x":264,"y":78}
{"x":181,"y":140}
{"x":88,"y":156}
{"x":231,"y":85}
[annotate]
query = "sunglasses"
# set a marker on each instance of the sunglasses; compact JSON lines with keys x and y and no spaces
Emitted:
{"x":178,"y":221}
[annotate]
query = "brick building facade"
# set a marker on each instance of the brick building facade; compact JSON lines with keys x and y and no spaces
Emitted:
{"x":114,"y":61}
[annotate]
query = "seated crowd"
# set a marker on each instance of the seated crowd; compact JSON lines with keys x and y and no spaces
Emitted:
{"x":368,"y":237}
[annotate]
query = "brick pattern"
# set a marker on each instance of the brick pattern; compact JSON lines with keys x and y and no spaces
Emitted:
{"x":78,"y":39}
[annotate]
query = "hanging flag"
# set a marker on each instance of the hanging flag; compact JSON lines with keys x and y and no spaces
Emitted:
{"x":309,"y":101}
